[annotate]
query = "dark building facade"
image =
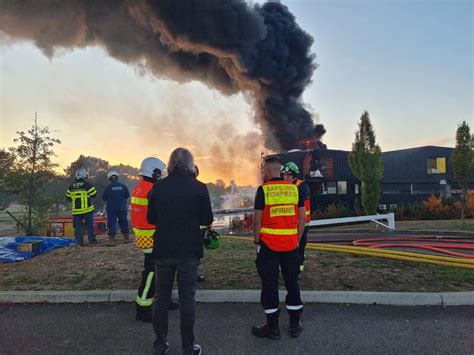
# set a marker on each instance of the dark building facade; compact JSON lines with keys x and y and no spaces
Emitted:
{"x":410,"y":176}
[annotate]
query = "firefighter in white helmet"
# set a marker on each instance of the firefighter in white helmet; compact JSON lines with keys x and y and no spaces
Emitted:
{"x":151,"y":170}
{"x":116,"y":195}
{"x":80,"y":193}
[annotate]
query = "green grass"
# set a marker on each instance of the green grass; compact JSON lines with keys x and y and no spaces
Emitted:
{"x":335,"y":271}
{"x":232,"y":266}
{"x":438,"y":225}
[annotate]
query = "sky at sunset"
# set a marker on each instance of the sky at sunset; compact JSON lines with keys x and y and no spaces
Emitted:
{"x":409,"y":63}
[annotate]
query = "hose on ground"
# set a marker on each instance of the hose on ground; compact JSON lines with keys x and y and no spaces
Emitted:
{"x":387,"y":254}
{"x":437,"y":245}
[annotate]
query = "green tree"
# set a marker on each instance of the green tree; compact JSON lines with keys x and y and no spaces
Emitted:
{"x":7,"y":160}
{"x":55,"y":192}
{"x":366,"y":163}
{"x":31,"y":173}
{"x":463,"y":160}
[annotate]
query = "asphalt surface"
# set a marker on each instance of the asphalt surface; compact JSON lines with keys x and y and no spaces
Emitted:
{"x":110,"y":328}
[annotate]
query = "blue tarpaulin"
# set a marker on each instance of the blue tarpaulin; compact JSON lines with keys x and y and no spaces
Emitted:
{"x":8,"y":253}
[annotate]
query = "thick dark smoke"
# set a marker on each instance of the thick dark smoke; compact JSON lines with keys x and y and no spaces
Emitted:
{"x":227,"y":44}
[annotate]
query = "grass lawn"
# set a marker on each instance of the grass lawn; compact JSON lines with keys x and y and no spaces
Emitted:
{"x":232,"y":266}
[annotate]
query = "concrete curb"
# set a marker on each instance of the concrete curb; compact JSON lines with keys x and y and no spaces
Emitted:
{"x":250,"y":296}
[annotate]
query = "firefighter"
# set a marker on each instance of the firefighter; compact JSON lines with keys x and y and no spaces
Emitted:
{"x":200,"y":278}
{"x":290,"y":172}
{"x":151,"y":170}
{"x":116,"y":195}
{"x":80,"y":193}
{"x":279,"y":219}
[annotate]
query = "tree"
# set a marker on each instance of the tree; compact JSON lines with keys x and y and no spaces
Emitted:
{"x":31,"y":173}
{"x":7,"y":160}
{"x":366,"y":163}
{"x":55,"y":192}
{"x":463,"y":160}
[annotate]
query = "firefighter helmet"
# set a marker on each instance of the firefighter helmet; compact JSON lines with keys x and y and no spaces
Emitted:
{"x":290,"y":168}
{"x":153,"y":168}
{"x":82,"y":174}
{"x":211,"y":239}
{"x":111,"y":174}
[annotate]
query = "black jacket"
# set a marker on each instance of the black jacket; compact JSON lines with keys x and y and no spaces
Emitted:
{"x":80,"y":193}
{"x":178,"y":205}
{"x":116,"y":195}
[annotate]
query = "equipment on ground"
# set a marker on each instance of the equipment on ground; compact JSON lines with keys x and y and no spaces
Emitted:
{"x":61,"y":226}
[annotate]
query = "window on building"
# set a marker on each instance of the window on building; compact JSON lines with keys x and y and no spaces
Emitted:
{"x":396,"y":189}
{"x":425,"y":189}
{"x":332,"y":187}
{"x":436,"y":165}
{"x":342,"y":187}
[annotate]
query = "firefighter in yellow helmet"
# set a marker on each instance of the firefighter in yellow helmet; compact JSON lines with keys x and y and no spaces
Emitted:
{"x":151,"y":170}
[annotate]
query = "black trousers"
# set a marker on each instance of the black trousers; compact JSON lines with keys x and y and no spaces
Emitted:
{"x":187,"y":271}
{"x":146,"y":290}
{"x":269,"y":263}
{"x":77,"y":220}
{"x":302,"y":247}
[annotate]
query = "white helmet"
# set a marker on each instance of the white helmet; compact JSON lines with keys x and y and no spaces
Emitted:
{"x":82,"y":174}
{"x":112,"y":173}
{"x":153,"y":168}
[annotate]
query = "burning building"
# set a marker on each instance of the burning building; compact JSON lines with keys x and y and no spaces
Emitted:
{"x":410,"y":176}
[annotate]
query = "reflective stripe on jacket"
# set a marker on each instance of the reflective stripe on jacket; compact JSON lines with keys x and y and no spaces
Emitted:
{"x":80,"y":193}
{"x":280,"y":216}
{"x":307,"y":203}
{"x":139,"y":206}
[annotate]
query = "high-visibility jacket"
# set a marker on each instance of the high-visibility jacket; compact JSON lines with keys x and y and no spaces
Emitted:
{"x":280,"y":216}
{"x":80,"y":193}
{"x":307,"y":202}
{"x":139,"y":206}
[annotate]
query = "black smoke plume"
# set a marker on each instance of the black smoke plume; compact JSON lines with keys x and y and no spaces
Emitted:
{"x":229,"y":45}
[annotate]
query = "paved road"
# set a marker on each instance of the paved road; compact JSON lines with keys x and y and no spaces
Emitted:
{"x":225,"y":329}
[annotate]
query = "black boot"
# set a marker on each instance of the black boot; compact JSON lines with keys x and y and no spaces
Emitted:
{"x":269,"y":330}
{"x":295,"y":324}
{"x":144,"y":314}
{"x":146,"y":317}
